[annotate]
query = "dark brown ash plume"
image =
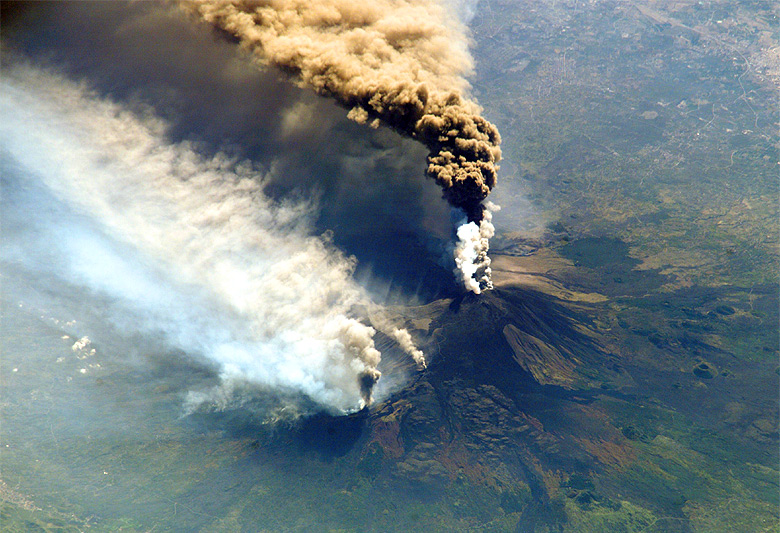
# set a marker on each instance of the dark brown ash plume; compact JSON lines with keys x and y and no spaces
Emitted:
{"x":399,"y":62}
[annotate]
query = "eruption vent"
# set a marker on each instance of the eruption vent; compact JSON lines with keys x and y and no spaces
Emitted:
{"x":401,"y":62}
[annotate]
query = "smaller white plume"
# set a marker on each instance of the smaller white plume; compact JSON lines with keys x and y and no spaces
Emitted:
{"x":404,"y":340}
{"x":471,"y":252}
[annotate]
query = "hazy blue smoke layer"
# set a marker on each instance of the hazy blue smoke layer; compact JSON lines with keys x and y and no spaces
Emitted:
{"x":184,"y":245}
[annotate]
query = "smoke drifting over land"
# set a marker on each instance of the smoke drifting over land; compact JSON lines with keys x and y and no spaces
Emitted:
{"x":150,"y":56}
{"x":185,"y":246}
{"x":186,"y":190}
{"x":401,"y":62}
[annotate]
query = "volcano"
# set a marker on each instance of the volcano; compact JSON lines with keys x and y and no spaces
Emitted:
{"x":508,"y":398}
{"x":232,"y":300}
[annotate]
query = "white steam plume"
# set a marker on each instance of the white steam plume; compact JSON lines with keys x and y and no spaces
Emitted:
{"x":187,"y":246}
{"x":471,"y":251}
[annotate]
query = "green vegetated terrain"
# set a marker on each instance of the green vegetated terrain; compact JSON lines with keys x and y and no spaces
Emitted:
{"x":623,"y":375}
{"x":648,"y":133}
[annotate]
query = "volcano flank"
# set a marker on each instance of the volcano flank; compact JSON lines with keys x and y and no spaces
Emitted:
{"x":506,"y":399}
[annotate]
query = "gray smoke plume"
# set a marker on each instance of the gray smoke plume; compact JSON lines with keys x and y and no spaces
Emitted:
{"x":185,"y":246}
{"x":399,"y":62}
{"x":404,"y":340}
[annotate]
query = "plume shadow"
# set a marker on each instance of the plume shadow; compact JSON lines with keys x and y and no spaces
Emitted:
{"x":368,"y":182}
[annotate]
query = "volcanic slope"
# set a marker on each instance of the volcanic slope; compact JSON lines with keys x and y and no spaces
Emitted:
{"x":504,"y":402}
{"x":487,"y":434}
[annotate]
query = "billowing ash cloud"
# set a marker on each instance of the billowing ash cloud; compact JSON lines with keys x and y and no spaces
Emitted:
{"x":399,"y":62}
{"x":186,"y":246}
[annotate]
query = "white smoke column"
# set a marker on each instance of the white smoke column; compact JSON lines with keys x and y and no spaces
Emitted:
{"x":190,"y":245}
{"x":404,"y":340}
{"x":471,"y":251}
